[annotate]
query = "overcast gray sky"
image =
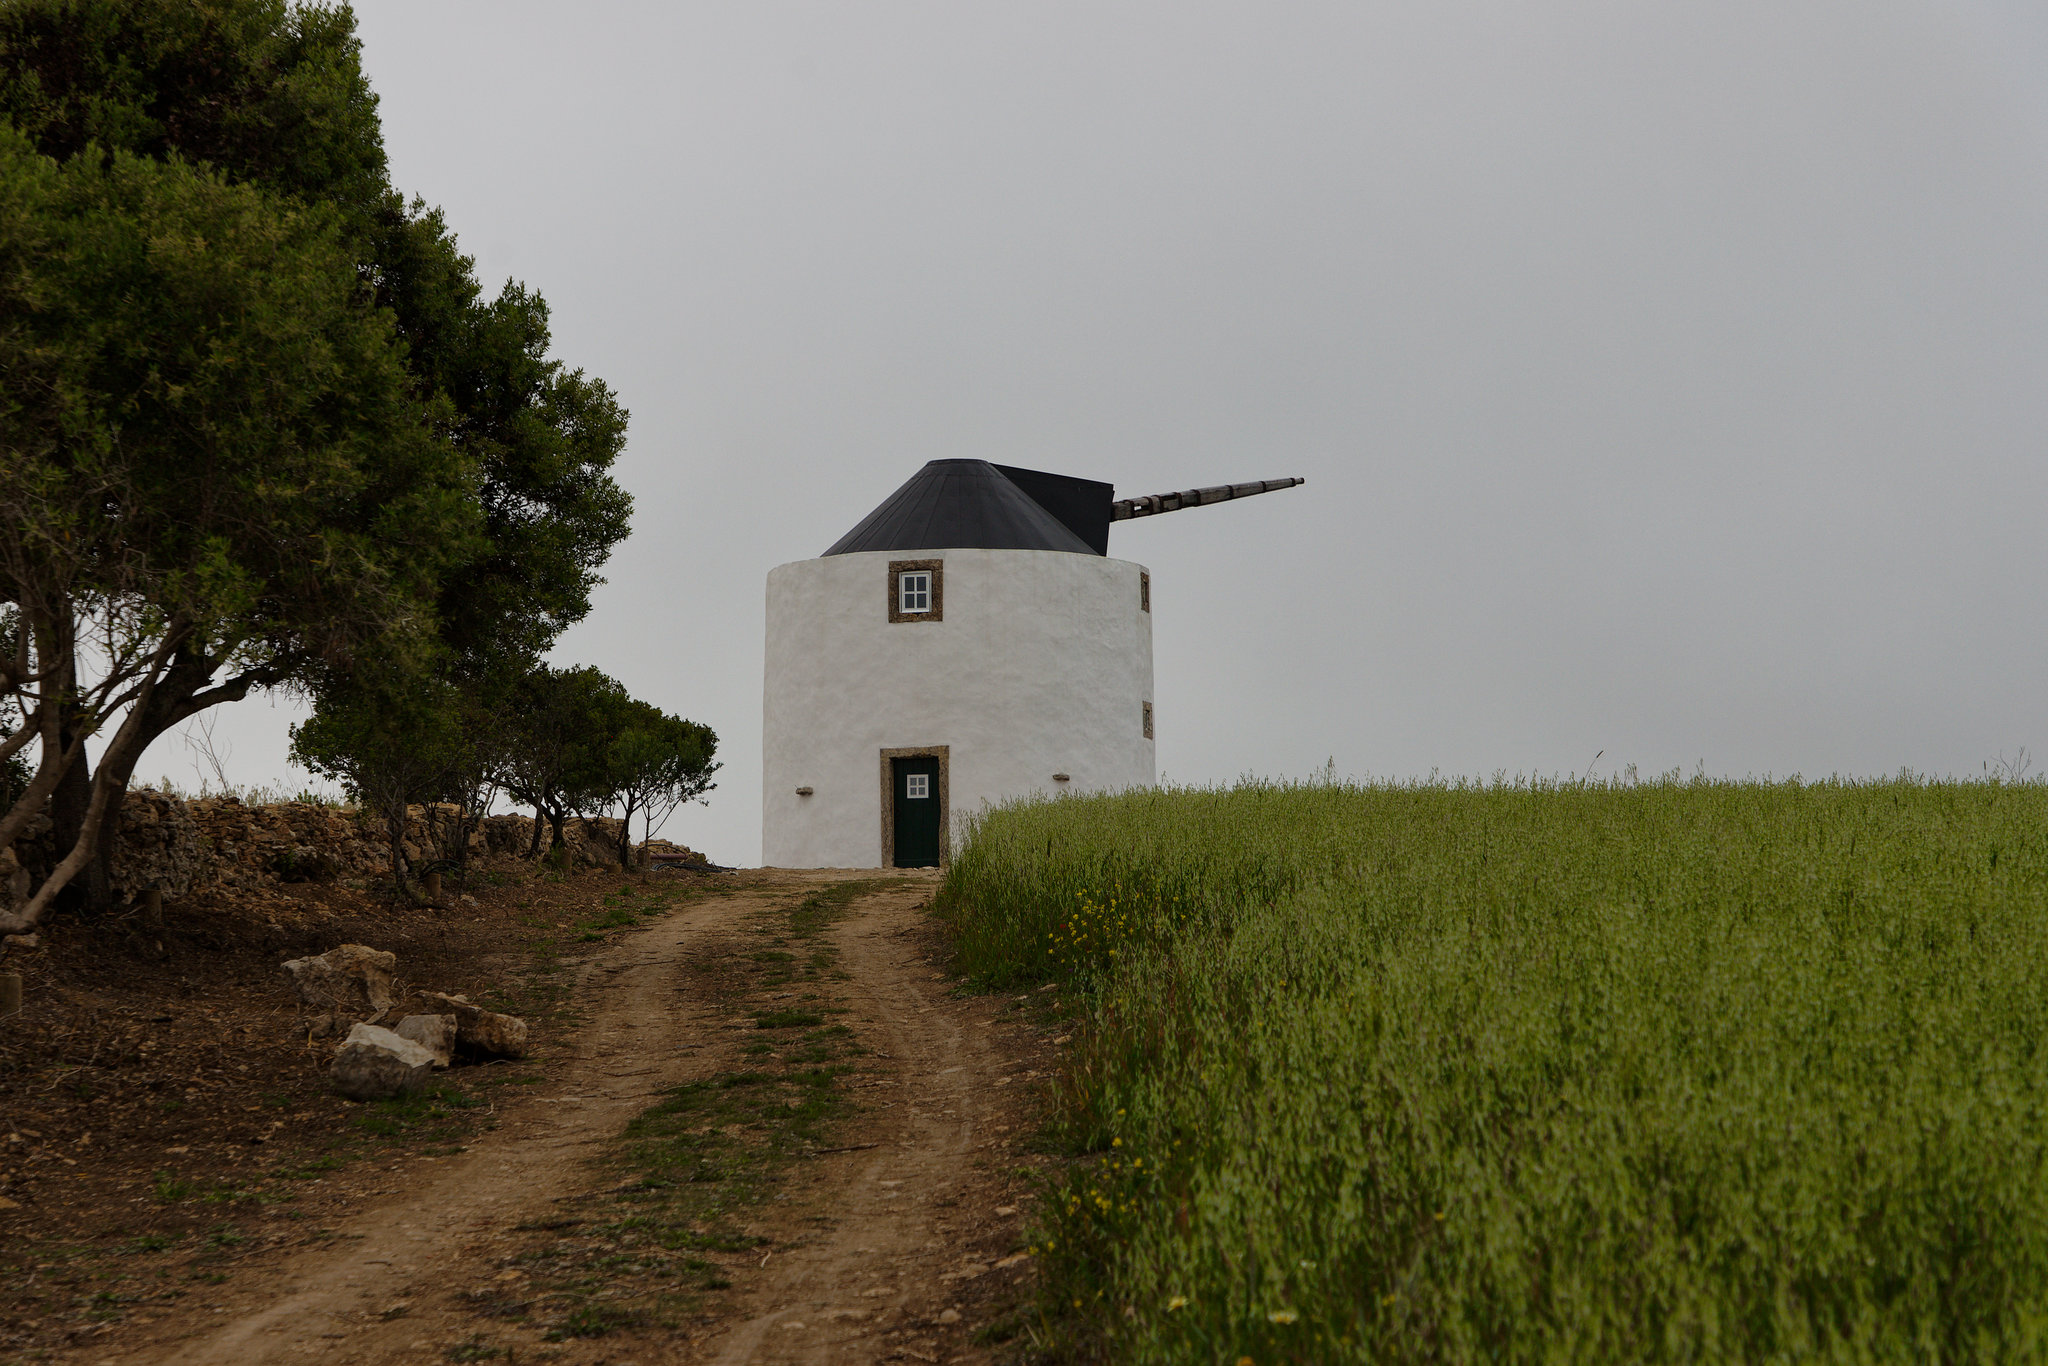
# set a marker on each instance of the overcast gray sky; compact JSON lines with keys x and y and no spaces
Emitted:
{"x":1670,"y":379}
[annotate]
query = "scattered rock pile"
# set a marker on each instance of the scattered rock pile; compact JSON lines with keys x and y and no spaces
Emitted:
{"x":658,"y":852}
{"x":354,"y":988}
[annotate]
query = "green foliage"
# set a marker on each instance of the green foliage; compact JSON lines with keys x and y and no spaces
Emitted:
{"x":390,"y":743}
{"x":788,"y":1019}
{"x":14,"y":779}
{"x":593,"y":1321}
{"x":653,"y":764}
{"x":1703,"y":1071}
{"x":264,"y":92}
{"x":543,"y":438}
{"x":560,"y":725}
{"x":433,"y":1114}
{"x":210,"y":294}
{"x":169,"y":1188}
{"x":203,"y":420}
{"x":273,"y":95}
{"x":214,"y":460}
{"x":384,"y":746}
{"x":579,"y":744}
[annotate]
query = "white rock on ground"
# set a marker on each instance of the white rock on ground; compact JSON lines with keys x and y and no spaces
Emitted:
{"x":352,"y":980}
{"x":435,"y":1033}
{"x":375,"y":1064}
{"x":483,"y":1031}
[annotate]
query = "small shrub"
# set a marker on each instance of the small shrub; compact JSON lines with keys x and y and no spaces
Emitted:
{"x":169,"y":1188}
{"x":788,"y":1019}
{"x":593,"y":1321}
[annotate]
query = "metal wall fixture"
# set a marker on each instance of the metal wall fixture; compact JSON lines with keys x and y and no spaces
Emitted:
{"x":803,"y":792}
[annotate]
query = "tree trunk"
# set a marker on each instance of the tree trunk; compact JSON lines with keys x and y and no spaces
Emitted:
{"x":465,"y":825}
{"x":85,"y":805}
{"x":93,"y":889}
{"x":626,"y":838}
{"x":539,"y":820}
{"x":437,"y":840}
{"x":394,"y":830}
{"x":177,"y":697}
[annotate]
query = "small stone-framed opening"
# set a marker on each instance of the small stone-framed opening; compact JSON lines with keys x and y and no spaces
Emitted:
{"x":1144,"y":590}
{"x":1148,"y":720}
{"x":917,"y":590}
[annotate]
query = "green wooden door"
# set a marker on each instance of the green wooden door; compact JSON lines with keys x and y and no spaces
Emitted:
{"x":917,"y":811}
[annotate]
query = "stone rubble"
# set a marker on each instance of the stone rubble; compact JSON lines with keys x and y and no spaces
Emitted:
{"x":483,"y":1031}
{"x":375,"y":1064}
{"x":435,"y":1033}
{"x":352,"y":980}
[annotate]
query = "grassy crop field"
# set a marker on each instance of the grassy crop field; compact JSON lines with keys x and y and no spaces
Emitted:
{"x":1681,"y":1071}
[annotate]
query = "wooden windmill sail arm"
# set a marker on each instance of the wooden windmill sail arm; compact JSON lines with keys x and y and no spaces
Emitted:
{"x":1123,"y":509}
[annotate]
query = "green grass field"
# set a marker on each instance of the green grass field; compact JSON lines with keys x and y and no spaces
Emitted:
{"x":1673,"y":1072}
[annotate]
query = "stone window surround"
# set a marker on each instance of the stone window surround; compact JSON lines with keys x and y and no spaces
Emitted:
{"x":897,"y":568}
{"x":945,"y":795}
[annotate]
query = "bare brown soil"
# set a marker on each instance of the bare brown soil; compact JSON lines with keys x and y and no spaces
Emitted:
{"x":519,"y":1217}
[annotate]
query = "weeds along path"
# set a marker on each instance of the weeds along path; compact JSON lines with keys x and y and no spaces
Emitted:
{"x":664,"y":1197}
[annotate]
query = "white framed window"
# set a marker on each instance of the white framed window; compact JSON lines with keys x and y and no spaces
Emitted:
{"x":917,"y":785}
{"x":917,"y":590}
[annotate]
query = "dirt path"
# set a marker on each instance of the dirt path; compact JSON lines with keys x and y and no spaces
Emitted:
{"x":895,"y":1247}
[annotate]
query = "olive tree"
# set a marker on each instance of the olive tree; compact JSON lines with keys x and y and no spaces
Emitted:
{"x":215,"y":471}
{"x":389,"y":752}
{"x":561,"y":723}
{"x":270,"y":99}
{"x":654,"y":763}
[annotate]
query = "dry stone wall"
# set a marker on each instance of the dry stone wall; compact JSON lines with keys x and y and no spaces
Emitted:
{"x":180,"y":845}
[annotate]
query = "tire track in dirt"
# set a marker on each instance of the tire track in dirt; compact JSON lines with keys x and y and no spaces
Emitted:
{"x":376,"y":1294}
{"x":892,"y":1251}
{"x":913,"y":1217}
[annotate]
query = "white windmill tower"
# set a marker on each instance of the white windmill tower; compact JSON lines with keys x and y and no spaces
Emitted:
{"x":969,"y":641}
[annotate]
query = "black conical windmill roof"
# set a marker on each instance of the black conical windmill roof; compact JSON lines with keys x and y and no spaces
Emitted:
{"x":972,"y":504}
